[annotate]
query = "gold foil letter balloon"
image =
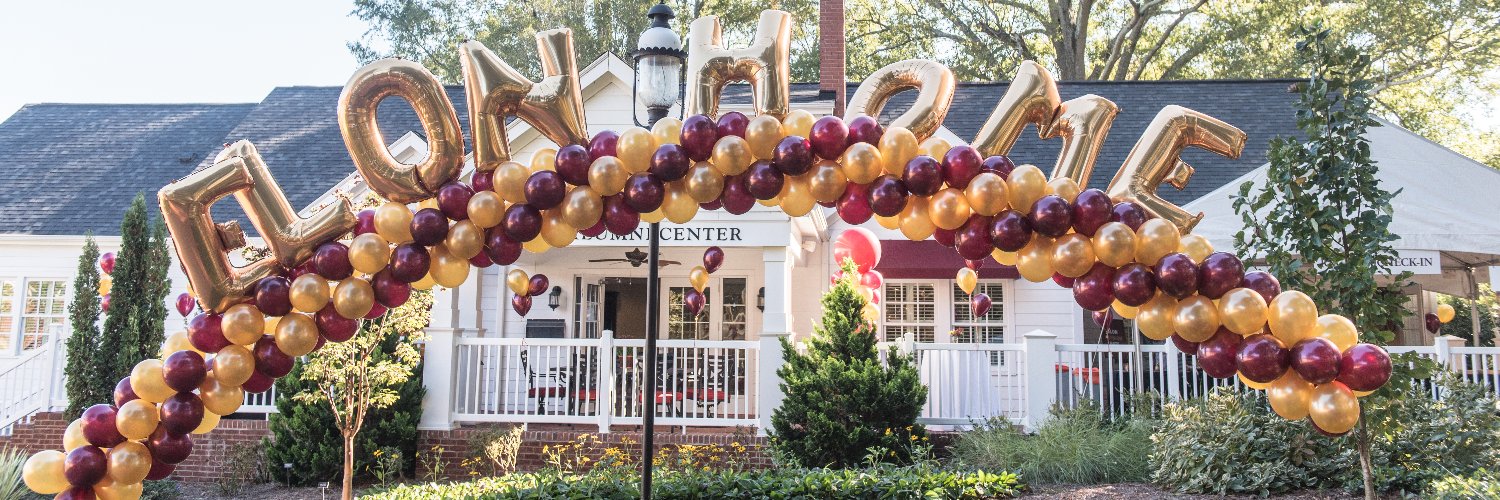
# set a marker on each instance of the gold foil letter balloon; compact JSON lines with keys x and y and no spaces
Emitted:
{"x":200,"y":244}
{"x":1082,"y":123}
{"x":1154,"y":160}
{"x":357,"y":107}
{"x":1031,"y":99}
{"x":765,"y":63}
{"x":934,"y":83}
{"x":291,"y":239}
{"x":554,"y":105}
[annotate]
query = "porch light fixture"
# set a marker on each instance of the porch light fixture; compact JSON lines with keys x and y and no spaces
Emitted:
{"x":760,"y":299}
{"x":554,"y":299}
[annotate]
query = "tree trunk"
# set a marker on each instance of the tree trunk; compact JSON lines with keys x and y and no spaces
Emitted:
{"x":1364,"y":456}
{"x":348,"y":466}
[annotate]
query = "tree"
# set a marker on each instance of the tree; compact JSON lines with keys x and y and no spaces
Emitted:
{"x":133,"y":327}
{"x":1321,"y":220}
{"x":1463,"y":325}
{"x":842,"y":402}
{"x":86,"y":384}
{"x":354,"y":379}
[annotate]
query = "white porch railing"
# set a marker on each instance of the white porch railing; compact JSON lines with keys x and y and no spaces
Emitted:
{"x":30,"y":383}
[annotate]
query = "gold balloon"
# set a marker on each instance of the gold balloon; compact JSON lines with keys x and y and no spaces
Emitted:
{"x":1025,"y":185}
{"x":826,"y":182}
{"x":635,"y":147}
{"x":426,"y":283}
{"x":967,"y":279}
{"x":464,"y":239}
{"x":1293,"y":316}
{"x":1259,"y":386}
{"x":1155,"y":159}
{"x":870,"y":313}
{"x":1196,"y":247}
{"x":763,"y":133}
{"x":1003,"y":257}
{"x":109,"y":489}
{"x":147,"y":382}
{"x":1073,"y":255}
{"x":765,"y":64}
{"x":353,"y":298}
{"x":798,"y":199}
{"x":1445,"y":313}
{"x":518,"y":281}
{"x":495,"y":90}
{"x":233,"y":365}
{"x":450,"y":270}
{"x":657,"y":215}
{"x":543,"y":159}
{"x":1243,"y":311}
{"x":271,"y":322}
{"x":1336,"y":329}
{"x":798,"y":122}
{"x":1334,"y":408}
{"x":698,"y":276}
{"x":898,"y":145}
{"x":486,"y":209}
{"x":1114,"y":244}
{"x":296,"y":334}
{"x":73,"y":436}
{"x":556,"y":232}
{"x":1155,"y":239}
{"x":731,"y":155}
{"x":986,"y":194}
{"x":290,"y":237}
{"x":1082,"y":123}
{"x":242,"y":324}
{"x":210,"y":421}
{"x":357,"y":106}
{"x":106,"y":284}
{"x":221,"y":399}
{"x":1197,"y":318}
{"x":129,"y":462}
{"x":137,"y":418}
{"x":201,"y":244}
{"x":935,"y":85}
{"x":510,"y":181}
{"x":1157,"y":317}
{"x":893,"y":222}
{"x":703,"y":183}
{"x":428,"y":203}
{"x":1031,"y":99}
{"x":177,"y":341}
{"x":369,"y":253}
{"x":1065,"y":188}
{"x":393,"y":222}
{"x":916,"y":223}
{"x":1124,"y":311}
{"x":935,"y":147}
{"x":862,"y":163}
{"x":1290,"y":396}
{"x":43,"y":472}
{"x":607,"y":175}
{"x":582,"y":207}
{"x":667,"y":130}
{"x":950,"y":209}
{"x":309,"y":293}
{"x":1034,"y":261}
{"x":678,"y":204}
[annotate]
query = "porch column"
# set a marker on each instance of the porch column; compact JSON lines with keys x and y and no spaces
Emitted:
{"x":437,"y":368}
{"x":775,"y":324}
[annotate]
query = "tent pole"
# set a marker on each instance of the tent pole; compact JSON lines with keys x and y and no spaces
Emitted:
{"x":1474,"y":305}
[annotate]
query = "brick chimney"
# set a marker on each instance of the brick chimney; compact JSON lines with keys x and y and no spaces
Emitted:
{"x":831,"y":51}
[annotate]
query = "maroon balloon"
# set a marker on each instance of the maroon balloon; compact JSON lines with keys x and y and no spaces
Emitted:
{"x":694,"y":301}
{"x":1051,"y":215}
{"x":592,"y":231}
{"x":258,"y":382}
{"x":77,"y":493}
{"x":1364,"y":367}
{"x":1090,"y":210}
{"x":297,"y":272}
{"x":792,"y":156}
{"x":736,"y":197}
{"x":410,"y":262}
{"x":124,"y":393}
{"x":522,"y":222}
{"x":718,"y":203}
{"x":854,"y":205}
{"x":500,"y":247}
{"x":481,"y":181}
{"x":960,"y":164}
{"x":99,"y":426}
{"x":269,"y":360}
{"x":1095,"y":290}
{"x":104,"y":302}
{"x":376,"y":311}
{"x":521,"y":303}
{"x":107,"y":262}
{"x":1063,"y":281}
{"x":1316,"y":360}
{"x":1128,"y":213}
{"x":644,"y":192}
{"x":1177,"y":275}
{"x":1219,"y":273}
{"x":335,"y":327}
{"x":603,"y":144}
{"x":923,"y":175}
{"x":713,"y":257}
{"x":453,"y":200}
{"x":389,"y":291}
{"x":829,"y":137}
{"x":698,"y":136}
{"x":619,"y":218}
{"x":1219,"y":355}
{"x":206,"y":334}
{"x":545,"y":189}
{"x":732,"y":123}
{"x":945,"y":237}
{"x":169,"y":447}
{"x":887,"y":196}
{"x":865,"y":129}
{"x":1187,"y":347}
{"x":979,"y":304}
{"x":572,"y":164}
{"x":1263,"y":283}
{"x":184,"y":370}
{"x":973,"y":238}
{"x":1432,"y":322}
{"x":364,"y":222}
{"x":1262,"y":358}
{"x":1010,"y":231}
{"x":482,"y":260}
{"x":974,"y":264}
{"x":670,"y":163}
{"x":331,"y":260}
{"x":1134,"y":284}
{"x":181,"y":413}
{"x":1102,"y":317}
{"x":999,"y":164}
{"x":273,"y":296}
{"x":537,"y":285}
{"x":85,"y":466}
{"x":185,"y":304}
{"x":764,"y":181}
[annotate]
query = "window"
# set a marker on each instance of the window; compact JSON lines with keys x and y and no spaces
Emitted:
{"x":989,"y":328}
{"x":733,"y":324}
{"x":585,"y":309}
{"x":679,"y":324}
{"x":910,"y":308}
{"x":45,"y":305}
{"x":7,"y":314}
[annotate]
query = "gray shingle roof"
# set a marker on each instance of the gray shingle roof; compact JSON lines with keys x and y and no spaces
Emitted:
{"x":71,"y":168}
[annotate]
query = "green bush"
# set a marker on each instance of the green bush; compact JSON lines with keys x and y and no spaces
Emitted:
{"x":1481,"y":484}
{"x":1416,"y":440}
{"x":1076,"y":446}
{"x":878,"y":482}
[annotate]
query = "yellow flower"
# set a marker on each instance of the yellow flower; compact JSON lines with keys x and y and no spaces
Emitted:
{"x":887,"y":431}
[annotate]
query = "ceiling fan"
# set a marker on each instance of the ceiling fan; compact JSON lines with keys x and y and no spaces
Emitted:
{"x":636,"y":257}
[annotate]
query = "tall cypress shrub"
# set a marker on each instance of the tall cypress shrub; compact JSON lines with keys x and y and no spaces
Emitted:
{"x":85,"y":384}
{"x":153,"y":313}
{"x":121,"y":341}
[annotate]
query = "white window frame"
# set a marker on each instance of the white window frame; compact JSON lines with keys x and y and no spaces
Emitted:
{"x":16,"y":333}
{"x":943,"y":322}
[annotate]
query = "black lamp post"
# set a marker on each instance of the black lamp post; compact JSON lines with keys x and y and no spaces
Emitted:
{"x":657,"y":87}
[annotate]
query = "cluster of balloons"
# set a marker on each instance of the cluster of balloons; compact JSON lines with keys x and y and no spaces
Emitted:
{"x":694,"y":300}
{"x":1434,"y":321}
{"x":860,"y":246}
{"x":968,"y":279}
{"x":523,"y":288}
{"x":106,"y":282}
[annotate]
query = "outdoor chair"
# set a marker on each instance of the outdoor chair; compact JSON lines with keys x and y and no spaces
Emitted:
{"x":543,"y":385}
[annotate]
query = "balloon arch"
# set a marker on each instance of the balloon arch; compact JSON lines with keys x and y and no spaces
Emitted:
{"x":1123,"y":248}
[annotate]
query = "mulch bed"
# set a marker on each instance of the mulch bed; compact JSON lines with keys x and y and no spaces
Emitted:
{"x":1091,"y":492}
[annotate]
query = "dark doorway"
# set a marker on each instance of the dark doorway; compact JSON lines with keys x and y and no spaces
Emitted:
{"x":625,"y":307}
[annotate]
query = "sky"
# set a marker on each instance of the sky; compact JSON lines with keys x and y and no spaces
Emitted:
{"x":171,"y":50}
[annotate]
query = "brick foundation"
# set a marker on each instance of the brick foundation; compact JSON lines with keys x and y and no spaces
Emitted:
{"x":45,"y":431}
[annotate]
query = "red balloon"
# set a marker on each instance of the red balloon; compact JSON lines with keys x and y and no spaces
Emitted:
{"x":544,"y":189}
{"x":1187,"y":347}
{"x":1063,"y":281}
{"x":829,"y":137}
{"x":169,"y":447}
{"x":887,"y":196}
{"x":99,"y":426}
{"x":185,"y":304}
{"x":860,"y":245}
{"x":865,"y":129}
{"x":1010,"y":231}
{"x":718,"y":203}
{"x":521,"y":303}
{"x":410,"y":262}
{"x":331,"y":260}
{"x":273,"y":296}
{"x":592,"y":231}
{"x":1263,"y":283}
{"x":389,"y":291}
{"x":732,"y":123}
{"x":85,"y":466}
{"x":104,"y":302}
{"x":1095,"y":290}
{"x":713,"y":257}
{"x":334,"y":326}
{"x":522,"y":222}
{"x":365,"y":222}
{"x":736,"y":197}
{"x":160,"y":470}
{"x":1219,"y":273}
{"x":763,"y":181}
{"x":124,"y":393}
{"x":973,"y":239}
{"x":644,"y":192}
{"x":206,"y":334}
{"x":603,"y":144}
{"x":1051,"y":215}
{"x":923,"y":175}
{"x":481,"y":181}
{"x":960,"y":164}
{"x":1218,"y":355}
{"x":269,"y":360}
{"x":619,"y":218}
{"x":945,"y":237}
{"x":572,"y":164}
{"x":836,"y":277}
{"x":482,"y":260}
{"x":698,"y":136}
{"x":1364,"y":367}
{"x":500,"y":247}
{"x":107,"y":262}
{"x":1134,"y":284}
{"x":694,"y":301}
{"x":979,"y":304}
{"x":1102,"y":317}
{"x":1129,"y":213}
{"x":1316,"y":360}
{"x":854,"y":205}
{"x":77,"y":493}
{"x":872,"y":280}
{"x":670,"y":163}
{"x":1432,"y":322}
{"x":1177,"y":275}
{"x":537,"y":285}
{"x":181,"y":413}
{"x":1090,"y":210}
{"x":453,"y":199}
{"x":258,"y":383}
{"x":974,"y":264}
{"x":792,"y":156}
{"x":1262,"y":358}
{"x":428,"y":227}
{"x":376,"y":311}
{"x":999,"y":164}
{"x":184,"y":371}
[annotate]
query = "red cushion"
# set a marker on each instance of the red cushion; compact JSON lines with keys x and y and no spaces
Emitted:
{"x":550,"y":392}
{"x":710,"y":395}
